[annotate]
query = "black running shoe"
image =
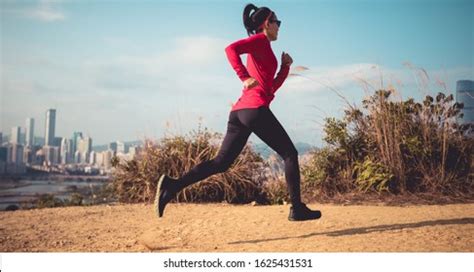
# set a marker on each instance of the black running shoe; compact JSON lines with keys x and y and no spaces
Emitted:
{"x":164,"y":193}
{"x":301,"y":213}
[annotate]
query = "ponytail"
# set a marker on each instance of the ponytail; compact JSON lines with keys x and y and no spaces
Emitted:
{"x":254,"y":17}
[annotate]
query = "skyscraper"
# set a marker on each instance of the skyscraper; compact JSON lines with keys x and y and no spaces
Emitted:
{"x":17,"y":153}
{"x":15,"y":136}
{"x":51,"y":154}
{"x":113,"y":147}
{"x":30,"y":135}
{"x":122,"y":147}
{"x":84,"y":146}
{"x":50,"y":126}
{"x":76,"y":137}
{"x":465,"y":94}
{"x":1,"y":139}
{"x":65,"y":151}
{"x":93,"y":158}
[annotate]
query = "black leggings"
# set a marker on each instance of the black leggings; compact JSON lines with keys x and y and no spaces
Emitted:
{"x":241,"y":124}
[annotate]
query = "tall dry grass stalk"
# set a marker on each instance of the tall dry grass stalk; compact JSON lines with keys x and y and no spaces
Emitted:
{"x":395,"y":145}
{"x":421,"y":143}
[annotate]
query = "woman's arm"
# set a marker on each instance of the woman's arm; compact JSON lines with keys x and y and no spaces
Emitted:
{"x":244,"y":46}
{"x":286,"y":61}
{"x":281,"y":76}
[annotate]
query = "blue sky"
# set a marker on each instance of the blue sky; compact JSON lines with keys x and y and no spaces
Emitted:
{"x":126,"y":70}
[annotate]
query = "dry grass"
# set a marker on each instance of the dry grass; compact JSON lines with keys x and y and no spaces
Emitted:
{"x":396,"y":146}
{"x":136,"y":180}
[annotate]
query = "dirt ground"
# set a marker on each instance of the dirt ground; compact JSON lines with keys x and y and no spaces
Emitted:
{"x":239,"y":228}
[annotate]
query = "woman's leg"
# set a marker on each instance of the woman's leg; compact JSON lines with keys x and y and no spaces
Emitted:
{"x":269,"y":130}
{"x":234,"y":141}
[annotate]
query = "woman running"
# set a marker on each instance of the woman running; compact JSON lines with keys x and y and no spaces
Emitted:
{"x":251,"y":113}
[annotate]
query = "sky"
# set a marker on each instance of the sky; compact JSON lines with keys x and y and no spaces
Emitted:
{"x":129,"y":70}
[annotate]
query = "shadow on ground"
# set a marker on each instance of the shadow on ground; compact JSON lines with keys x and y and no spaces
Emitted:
{"x":365,"y":230}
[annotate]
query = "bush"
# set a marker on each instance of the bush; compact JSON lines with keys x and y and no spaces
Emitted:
{"x":372,"y":175}
{"x":48,"y":201}
{"x":326,"y":173}
{"x":136,"y":180}
{"x":401,"y":147}
{"x":75,"y":200}
{"x":275,"y":192}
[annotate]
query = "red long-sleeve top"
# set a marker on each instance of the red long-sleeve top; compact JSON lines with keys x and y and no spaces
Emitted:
{"x":261,"y":65}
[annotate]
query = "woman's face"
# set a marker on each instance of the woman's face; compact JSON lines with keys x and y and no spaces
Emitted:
{"x":271,"y":28}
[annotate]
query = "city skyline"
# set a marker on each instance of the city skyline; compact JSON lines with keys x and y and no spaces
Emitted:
{"x":29,"y":135}
{"x":65,"y":155}
{"x":114,"y":71}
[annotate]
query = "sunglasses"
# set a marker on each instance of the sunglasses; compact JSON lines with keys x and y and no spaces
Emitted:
{"x":278,"y":22}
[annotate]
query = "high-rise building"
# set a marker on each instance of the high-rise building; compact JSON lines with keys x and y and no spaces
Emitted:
{"x":113,"y":147}
{"x":51,"y":154}
{"x":93,"y":158}
{"x":1,"y":139}
{"x":57,"y":141}
{"x":465,"y":95}
{"x":3,"y":154}
{"x":15,"y":136}
{"x":22,"y":136}
{"x":9,"y":148}
{"x":76,"y":137}
{"x":28,"y":154}
{"x":84,"y":146}
{"x":133,"y":151}
{"x":3,"y":160}
{"x":85,"y":157}
{"x":30,"y":135}
{"x":77,"y":157}
{"x":66,"y":155}
{"x":107,"y":158}
{"x":50,"y":127}
{"x":122,"y":147}
{"x":39,"y":157}
{"x":17,"y":154}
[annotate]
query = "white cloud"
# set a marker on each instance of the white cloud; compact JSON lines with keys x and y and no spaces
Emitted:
{"x":43,"y":10}
{"x":197,"y":51}
{"x":46,"y":11}
{"x":192,"y":61}
{"x":188,"y":54}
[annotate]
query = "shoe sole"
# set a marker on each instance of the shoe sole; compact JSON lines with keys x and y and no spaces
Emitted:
{"x":304,"y":219}
{"x":156,"y":205}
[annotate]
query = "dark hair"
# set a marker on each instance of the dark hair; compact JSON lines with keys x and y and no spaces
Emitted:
{"x":252,"y":20}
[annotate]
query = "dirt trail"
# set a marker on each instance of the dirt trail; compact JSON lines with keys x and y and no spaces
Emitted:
{"x":238,"y":228}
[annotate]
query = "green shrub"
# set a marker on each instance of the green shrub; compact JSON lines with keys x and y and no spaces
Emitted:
{"x":372,"y":175}
{"x":395,"y":146}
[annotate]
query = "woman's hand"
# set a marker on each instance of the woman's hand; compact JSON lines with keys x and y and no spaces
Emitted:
{"x":250,"y":83}
{"x":286,"y":59}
